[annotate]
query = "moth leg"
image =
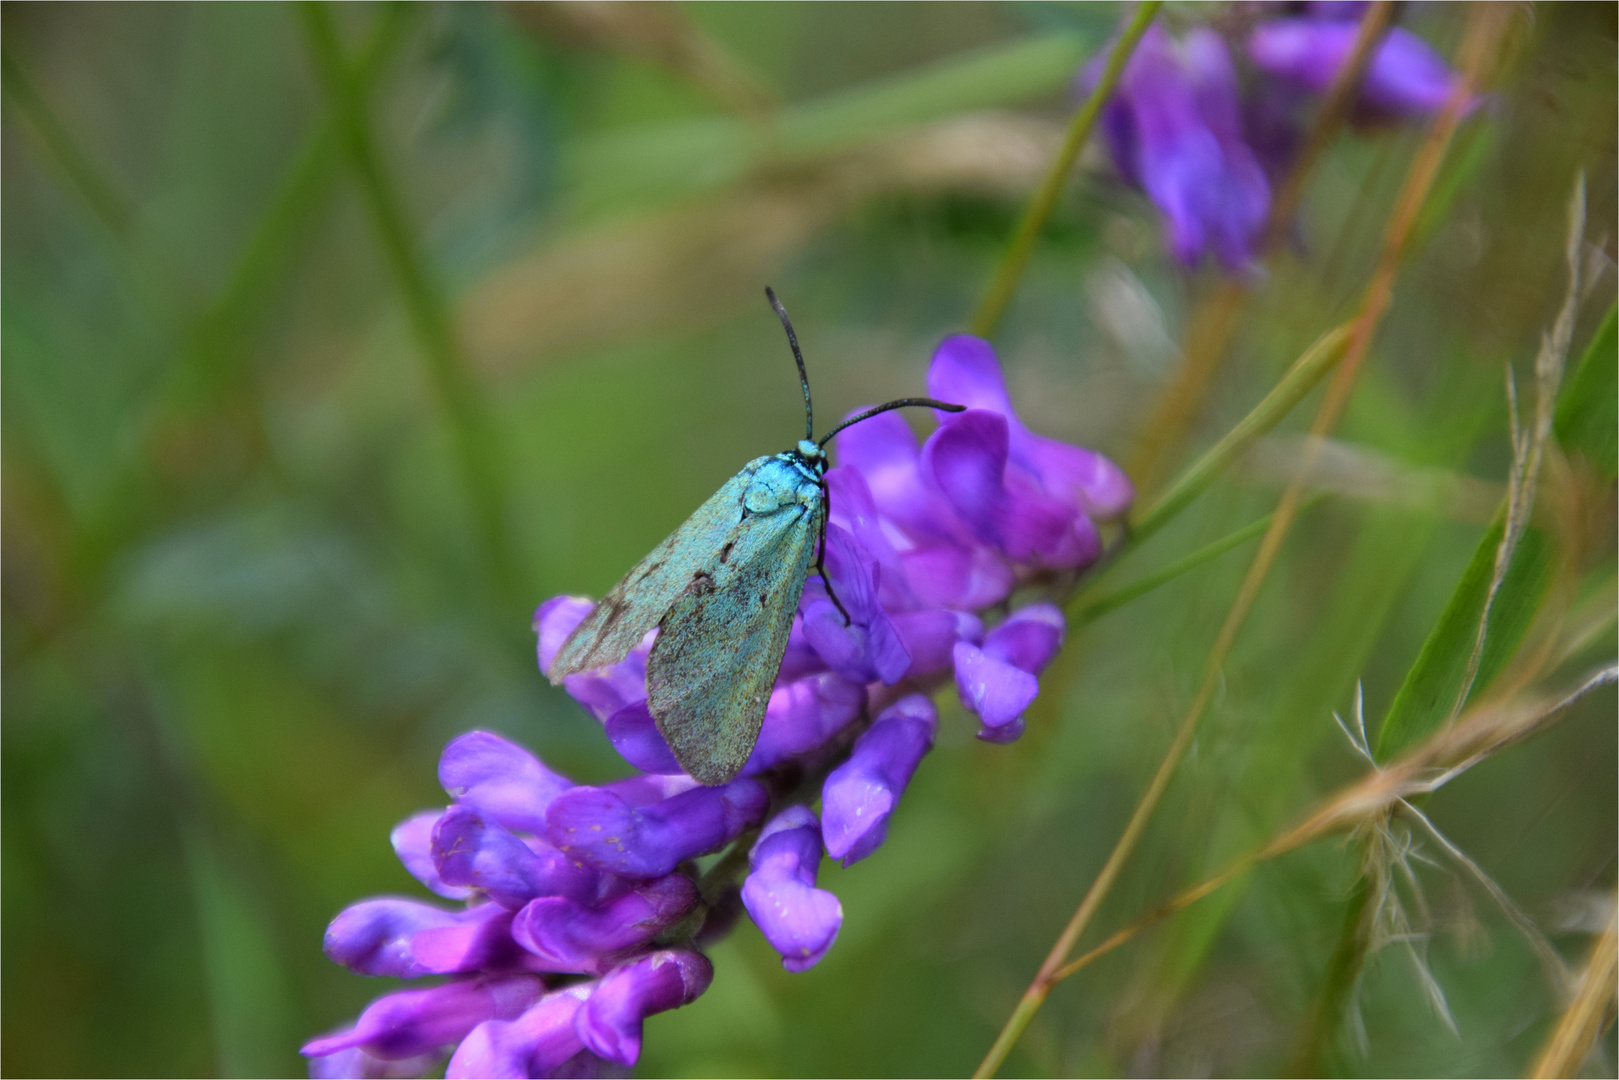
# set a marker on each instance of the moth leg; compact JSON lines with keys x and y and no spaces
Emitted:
{"x":820,"y":556}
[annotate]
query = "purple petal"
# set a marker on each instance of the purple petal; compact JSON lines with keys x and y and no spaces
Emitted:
{"x":413,"y":843}
{"x":500,"y":780}
{"x":600,"y":827}
{"x":610,"y":1023}
{"x":567,"y":936}
{"x":1029,"y":637}
{"x":966,"y":371}
{"x":968,"y":457}
{"x":635,"y":735}
{"x":970,"y":577}
{"x":602,"y":692}
{"x":373,"y":937}
{"x":478,"y":853}
{"x":414,"y":1022}
{"x":554,"y":620}
{"x":854,"y":509}
{"x":994,"y":690}
{"x":1009,"y":732}
{"x":1406,"y":77}
{"x":355,"y":1064}
{"x":481,"y":940}
{"x":801,"y":660}
{"x":884,"y":451}
{"x":800,"y":921}
{"x":653,"y":788}
{"x":930,"y":637}
{"x":860,"y":795}
{"x":866,"y":648}
{"x":537,"y":1043}
{"x":802,"y":716}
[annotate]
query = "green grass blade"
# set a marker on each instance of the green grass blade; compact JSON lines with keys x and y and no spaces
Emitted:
{"x":1096,"y":607}
{"x":1429,"y":692}
{"x":1587,"y":420}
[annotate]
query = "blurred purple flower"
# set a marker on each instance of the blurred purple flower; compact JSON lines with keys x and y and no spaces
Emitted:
{"x":799,"y":920}
{"x":1174,"y":128}
{"x":1405,"y":78}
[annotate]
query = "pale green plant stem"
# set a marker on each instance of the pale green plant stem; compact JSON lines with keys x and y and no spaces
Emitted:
{"x":1095,"y":607}
{"x":1480,"y":45}
{"x":1016,"y":259}
{"x":471,"y":430}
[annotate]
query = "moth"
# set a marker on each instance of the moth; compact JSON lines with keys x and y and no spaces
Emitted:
{"x":722,"y":590}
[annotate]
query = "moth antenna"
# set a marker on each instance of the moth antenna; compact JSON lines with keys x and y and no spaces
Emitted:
{"x":897,"y":403}
{"x":803,"y":376}
{"x":820,"y":557}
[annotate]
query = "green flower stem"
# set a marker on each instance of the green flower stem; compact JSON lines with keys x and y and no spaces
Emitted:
{"x":1039,"y":209}
{"x":1095,"y":607}
{"x":1300,"y":379}
{"x":474,"y":437}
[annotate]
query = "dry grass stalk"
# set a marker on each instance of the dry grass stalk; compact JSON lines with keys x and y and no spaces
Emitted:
{"x":1591,"y":1011}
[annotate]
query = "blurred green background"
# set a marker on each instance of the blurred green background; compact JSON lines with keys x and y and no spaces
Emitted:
{"x":293,"y":448}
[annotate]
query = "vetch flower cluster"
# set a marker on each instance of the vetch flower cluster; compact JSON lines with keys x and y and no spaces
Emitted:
{"x":1180,"y":127}
{"x":582,"y":908}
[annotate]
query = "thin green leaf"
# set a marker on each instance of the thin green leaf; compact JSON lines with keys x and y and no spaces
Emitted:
{"x":1098,"y":606}
{"x":1431,"y":686}
{"x":1587,"y":420}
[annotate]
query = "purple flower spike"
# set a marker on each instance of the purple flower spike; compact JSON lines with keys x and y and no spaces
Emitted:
{"x":610,"y":1023}
{"x":1405,"y":78}
{"x":567,"y":936}
{"x":866,"y":649}
{"x":374,"y":937}
{"x":1173,"y":130}
{"x":860,"y":795}
{"x":500,"y":780}
{"x":600,"y":827}
{"x":414,"y":1022}
{"x":802,"y":716}
{"x":413,"y":842}
{"x":474,"y":852}
{"x":800,"y":921}
{"x":998,"y":681}
{"x":538,"y":1043}
{"x":635,"y":735}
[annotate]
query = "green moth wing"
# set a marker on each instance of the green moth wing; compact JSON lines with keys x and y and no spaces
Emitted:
{"x":638,"y":602}
{"x":720,"y":646}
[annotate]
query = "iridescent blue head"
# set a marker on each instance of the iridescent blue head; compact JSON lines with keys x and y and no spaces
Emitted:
{"x":810,"y":451}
